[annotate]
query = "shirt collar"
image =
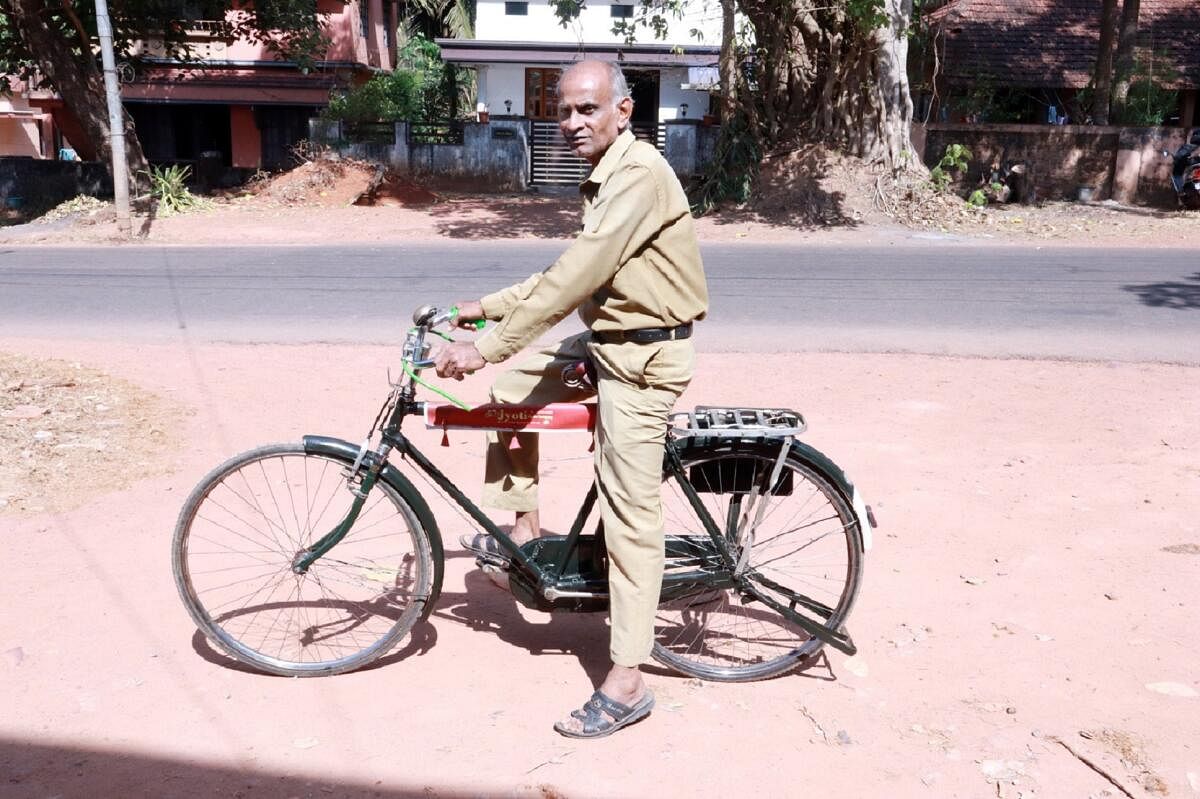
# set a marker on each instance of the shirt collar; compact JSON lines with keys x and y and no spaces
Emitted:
{"x":612,"y":156}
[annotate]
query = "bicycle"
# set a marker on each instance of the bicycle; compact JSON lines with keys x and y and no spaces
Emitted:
{"x":316,"y":558}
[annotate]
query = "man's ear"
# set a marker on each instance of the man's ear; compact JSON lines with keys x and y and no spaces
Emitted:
{"x":624,"y":111}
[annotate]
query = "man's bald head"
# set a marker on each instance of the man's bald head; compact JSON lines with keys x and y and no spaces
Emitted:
{"x":593,"y":107}
{"x":606,"y":71}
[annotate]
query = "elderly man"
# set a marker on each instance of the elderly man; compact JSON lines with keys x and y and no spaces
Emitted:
{"x":635,"y":274}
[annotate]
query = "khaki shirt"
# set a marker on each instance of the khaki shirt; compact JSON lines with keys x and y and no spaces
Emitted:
{"x":635,"y":264}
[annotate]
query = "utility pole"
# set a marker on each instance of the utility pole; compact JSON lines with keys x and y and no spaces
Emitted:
{"x":116,"y":120}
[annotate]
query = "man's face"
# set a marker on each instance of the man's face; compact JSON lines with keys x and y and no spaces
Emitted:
{"x":587,"y":116}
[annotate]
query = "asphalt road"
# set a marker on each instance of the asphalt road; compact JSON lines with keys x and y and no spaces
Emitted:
{"x":1141,"y":305}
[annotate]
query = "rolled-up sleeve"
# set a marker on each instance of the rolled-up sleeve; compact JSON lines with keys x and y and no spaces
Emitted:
{"x":625,"y":217}
{"x":499,"y":304}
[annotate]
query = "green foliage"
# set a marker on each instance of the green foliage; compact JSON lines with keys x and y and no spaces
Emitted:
{"x":955,"y":159}
{"x":440,"y":87}
{"x":168,"y":185}
{"x":985,"y":102}
{"x":734,"y":168}
{"x":567,"y":10}
{"x":869,"y":14}
{"x":1149,"y":104}
{"x":433,"y":18}
{"x":422,"y":89}
{"x":977,"y":199}
{"x":290,"y":28}
{"x":385,"y":97}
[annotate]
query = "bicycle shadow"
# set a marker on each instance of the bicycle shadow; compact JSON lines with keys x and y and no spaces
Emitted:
{"x":485,"y":607}
{"x":482,"y":607}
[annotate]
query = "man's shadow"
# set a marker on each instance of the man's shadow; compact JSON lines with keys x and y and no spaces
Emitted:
{"x":485,"y":607}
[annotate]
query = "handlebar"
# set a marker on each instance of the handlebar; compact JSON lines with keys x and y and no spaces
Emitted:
{"x":430,"y":316}
{"x":426,"y":319}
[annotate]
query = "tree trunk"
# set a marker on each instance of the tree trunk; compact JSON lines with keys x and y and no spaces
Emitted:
{"x":1102,"y":79}
{"x":73,"y":72}
{"x":826,"y":76}
{"x":728,"y":61}
{"x":1123,"y":71}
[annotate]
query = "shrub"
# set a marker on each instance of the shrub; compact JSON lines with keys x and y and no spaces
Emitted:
{"x":168,"y":185}
{"x":956,"y":158}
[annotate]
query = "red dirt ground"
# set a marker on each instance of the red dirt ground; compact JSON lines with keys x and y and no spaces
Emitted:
{"x":1027,"y":619}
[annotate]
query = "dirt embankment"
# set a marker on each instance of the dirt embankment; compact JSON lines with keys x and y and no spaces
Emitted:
{"x":808,"y":195}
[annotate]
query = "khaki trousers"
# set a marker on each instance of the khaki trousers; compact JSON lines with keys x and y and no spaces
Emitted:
{"x":637,"y":387}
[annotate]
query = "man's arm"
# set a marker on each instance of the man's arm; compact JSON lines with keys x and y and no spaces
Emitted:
{"x":497,"y":305}
{"x":624,"y":219}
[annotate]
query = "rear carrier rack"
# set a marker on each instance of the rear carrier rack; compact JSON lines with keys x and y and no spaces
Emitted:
{"x":737,"y":422}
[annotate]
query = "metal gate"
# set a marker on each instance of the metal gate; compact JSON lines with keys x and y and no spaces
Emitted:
{"x":555,"y":164}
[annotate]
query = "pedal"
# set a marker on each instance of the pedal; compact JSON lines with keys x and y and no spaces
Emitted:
{"x":496,"y":561}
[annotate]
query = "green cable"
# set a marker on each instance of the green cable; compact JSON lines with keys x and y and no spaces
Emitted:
{"x":408,"y":370}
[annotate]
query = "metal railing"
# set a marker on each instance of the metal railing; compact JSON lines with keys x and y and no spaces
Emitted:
{"x":369,"y":132}
{"x":554,"y":163}
{"x":446,"y":132}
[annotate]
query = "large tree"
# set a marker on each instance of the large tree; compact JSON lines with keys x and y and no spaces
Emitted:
{"x":1125,"y":60}
{"x":1102,"y":77}
{"x":825,"y":71}
{"x":833,"y":71}
{"x":54,"y":43}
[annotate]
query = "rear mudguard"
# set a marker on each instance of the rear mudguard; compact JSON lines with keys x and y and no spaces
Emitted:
{"x":834,"y":472}
{"x":822,"y":464}
{"x":344,"y":450}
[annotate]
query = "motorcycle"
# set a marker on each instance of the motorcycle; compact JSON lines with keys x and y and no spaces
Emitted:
{"x":1185,"y":172}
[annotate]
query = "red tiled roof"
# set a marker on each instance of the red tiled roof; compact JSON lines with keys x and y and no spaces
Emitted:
{"x":1052,"y":43}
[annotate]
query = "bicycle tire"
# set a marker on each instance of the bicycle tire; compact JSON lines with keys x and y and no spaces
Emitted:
{"x":814,"y":542}
{"x":233,"y":548}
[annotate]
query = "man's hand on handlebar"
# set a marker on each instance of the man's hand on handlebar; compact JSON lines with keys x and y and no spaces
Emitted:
{"x":458,"y":359}
{"x":469,"y":313}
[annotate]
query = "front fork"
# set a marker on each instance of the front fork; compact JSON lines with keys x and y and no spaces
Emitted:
{"x":359,"y":482}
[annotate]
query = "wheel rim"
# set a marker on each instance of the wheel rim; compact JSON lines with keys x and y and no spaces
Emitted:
{"x":236,"y":566}
{"x":804,"y":544}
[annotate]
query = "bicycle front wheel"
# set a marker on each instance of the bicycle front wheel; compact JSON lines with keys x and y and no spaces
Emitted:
{"x":799,"y":541}
{"x":236,"y":540}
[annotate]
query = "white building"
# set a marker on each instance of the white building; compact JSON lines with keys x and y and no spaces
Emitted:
{"x":521,"y":49}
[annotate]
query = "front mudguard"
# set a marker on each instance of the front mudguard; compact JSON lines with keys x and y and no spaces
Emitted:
{"x":345,"y":451}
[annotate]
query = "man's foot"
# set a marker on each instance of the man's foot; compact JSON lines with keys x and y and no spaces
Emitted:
{"x":497,"y":574}
{"x":601,"y":716}
{"x":524,"y":530}
{"x":482,"y":544}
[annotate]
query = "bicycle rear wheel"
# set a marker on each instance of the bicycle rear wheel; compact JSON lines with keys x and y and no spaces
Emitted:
{"x":239,"y":533}
{"x":806,"y":547}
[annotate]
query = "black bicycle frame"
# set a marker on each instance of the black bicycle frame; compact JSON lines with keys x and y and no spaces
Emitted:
{"x":550,"y":580}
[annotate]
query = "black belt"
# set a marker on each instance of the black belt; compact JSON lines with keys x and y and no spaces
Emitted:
{"x":646,"y":335}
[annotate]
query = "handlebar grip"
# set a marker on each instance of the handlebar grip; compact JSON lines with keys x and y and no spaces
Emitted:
{"x":478,"y":324}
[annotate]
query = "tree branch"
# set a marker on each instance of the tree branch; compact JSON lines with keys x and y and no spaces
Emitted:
{"x":85,"y":41}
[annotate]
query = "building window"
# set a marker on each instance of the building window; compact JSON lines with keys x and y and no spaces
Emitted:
{"x":364,"y":17}
{"x":516,"y":9}
{"x":541,"y":88}
{"x":621,"y":11}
